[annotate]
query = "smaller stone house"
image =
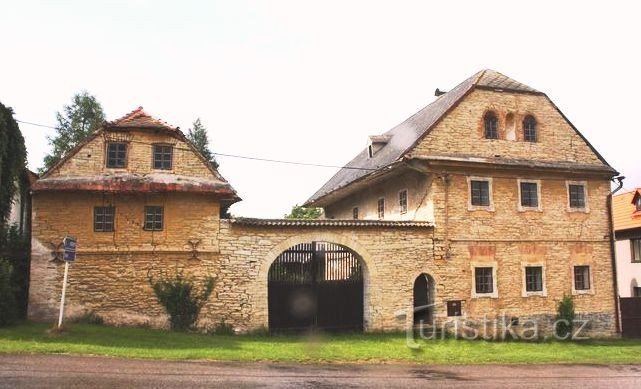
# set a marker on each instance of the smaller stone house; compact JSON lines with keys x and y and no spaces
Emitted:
{"x":626,"y":210}
{"x":135,"y":194}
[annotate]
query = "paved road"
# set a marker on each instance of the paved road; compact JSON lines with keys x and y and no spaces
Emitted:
{"x":61,"y":371}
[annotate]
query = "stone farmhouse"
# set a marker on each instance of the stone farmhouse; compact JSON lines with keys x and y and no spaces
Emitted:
{"x":486,"y":204}
{"x":627,"y":229}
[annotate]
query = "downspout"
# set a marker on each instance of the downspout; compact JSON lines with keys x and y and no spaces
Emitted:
{"x":612,"y":252}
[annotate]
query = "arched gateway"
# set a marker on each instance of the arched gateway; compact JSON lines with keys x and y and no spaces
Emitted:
{"x":316,"y":285}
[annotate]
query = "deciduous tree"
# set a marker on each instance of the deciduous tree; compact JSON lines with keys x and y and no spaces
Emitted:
{"x":78,"y":120}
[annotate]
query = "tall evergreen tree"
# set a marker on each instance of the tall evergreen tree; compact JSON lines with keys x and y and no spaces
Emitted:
{"x":13,"y":156}
{"x":198,"y":136}
{"x":75,"y":123}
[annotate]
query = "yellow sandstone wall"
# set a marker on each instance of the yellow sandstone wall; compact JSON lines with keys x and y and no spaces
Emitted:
{"x":90,"y":160}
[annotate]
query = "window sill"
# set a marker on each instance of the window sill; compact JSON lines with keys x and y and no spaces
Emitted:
{"x":582,"y":292}
{"x":542,"y":293}
{"x":530,"y":209}
{"x":493,"y":295}
{"x":578,"y":210}
{"x":489,"y":208}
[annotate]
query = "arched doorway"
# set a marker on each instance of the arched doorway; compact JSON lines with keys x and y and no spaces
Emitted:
{"x":316,"y":285}
{"x":423,"y":299}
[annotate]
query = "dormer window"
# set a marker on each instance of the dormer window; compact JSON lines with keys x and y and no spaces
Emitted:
{"x":529,"y":129}
{"x":491,"y":126}
{"x":637,"y":204}
{"x":163,"y":157}
{"x":116,"y":155}
{"x":376,"y":143}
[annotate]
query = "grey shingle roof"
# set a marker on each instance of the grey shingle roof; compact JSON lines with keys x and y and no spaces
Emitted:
{"x":405,"y":135}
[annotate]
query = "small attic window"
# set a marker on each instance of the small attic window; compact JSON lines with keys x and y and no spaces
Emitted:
{"x":491,"y":126}
{"x":376,"y":143}
{"x":637,"y":203}
{"x":529,"y":129}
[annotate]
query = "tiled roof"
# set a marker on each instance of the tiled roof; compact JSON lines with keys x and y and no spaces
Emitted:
{"x":132,"y":183}
{"x":406,"y":135}
{"x":329,"y":223}
{"x":495,"y":80}
{"x":138,"y":118}
{"x":624,"y":211}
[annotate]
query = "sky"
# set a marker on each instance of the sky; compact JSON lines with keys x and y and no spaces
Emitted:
{"x":309,"y":81}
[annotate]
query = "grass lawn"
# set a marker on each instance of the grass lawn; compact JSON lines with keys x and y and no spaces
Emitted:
{"x":157,"y":344}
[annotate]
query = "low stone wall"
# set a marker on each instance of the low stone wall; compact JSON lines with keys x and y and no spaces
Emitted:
{"x":116,"y":284}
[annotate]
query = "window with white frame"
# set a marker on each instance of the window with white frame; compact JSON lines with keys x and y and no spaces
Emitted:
{"x":402,"y":201}
{"x":582,"y":278}
{"x":529,"y":194}
{"x":577,"y":196}
{"x":480,"y":193}
{"x":534,"y":278}
{"x":483,"y":280}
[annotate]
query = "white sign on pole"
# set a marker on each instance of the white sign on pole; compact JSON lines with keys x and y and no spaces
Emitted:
{"x":69,"y":256}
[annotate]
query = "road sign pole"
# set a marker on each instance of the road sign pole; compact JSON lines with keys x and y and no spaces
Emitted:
{"x":64,"y":291}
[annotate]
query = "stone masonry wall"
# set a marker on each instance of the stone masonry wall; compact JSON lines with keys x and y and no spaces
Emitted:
{"x":90,"y":160}
{"x":462,"y":131}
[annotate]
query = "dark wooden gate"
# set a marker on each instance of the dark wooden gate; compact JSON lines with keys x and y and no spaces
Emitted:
{"x":316,"y":285}
{"x":631,"y":316}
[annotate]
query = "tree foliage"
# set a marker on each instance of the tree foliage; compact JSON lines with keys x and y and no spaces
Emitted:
{"x":181,"y":300}
{"x":198,"y":136}
{"x":299,"y":212}
{"x":77,"y":121}
{"x":13,"y":156}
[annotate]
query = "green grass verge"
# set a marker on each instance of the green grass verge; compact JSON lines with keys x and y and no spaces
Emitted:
{"x":157,"y":344}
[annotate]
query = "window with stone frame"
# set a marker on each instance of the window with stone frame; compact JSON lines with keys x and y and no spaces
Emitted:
{"x":534,"y":278}
{"x":483,"y":280}
{"x":355,"y":213}
{"x":103,"y":219}
{"x":116,"y":155}
{"x":529,"y":194}
{"x":635,"y":250}
{"x":163,"y":155}
{"x":154,"y":218}
{"x":529,"y":129}
{"x":576,"y":194}
{"x":491,"y":125}
{"x":402,"y":201}
{"x":480,"y":193}
{"x":381,"y":208}
{"x":582,"y":277}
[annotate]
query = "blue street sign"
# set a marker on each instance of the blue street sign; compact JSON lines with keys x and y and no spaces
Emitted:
{"x":69,"y":244}
{"x":69,"y":256}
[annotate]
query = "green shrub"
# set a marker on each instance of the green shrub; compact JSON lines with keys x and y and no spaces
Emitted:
{"x":8,"y":306}
{"x":565,"y":318}
{"x":182,"y":302}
